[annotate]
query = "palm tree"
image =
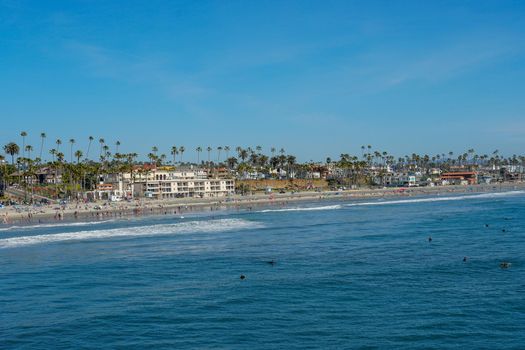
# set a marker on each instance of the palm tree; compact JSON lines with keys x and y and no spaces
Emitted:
{"x":219,"y":149}
{"x":199,"y":150}
{"x":155,"y":150}
{"x":232,"y":161}
{"x":60,"y":159}
{"x":101,"y":142}
{"x":243,"y":154}
{"x":117,"y":144}
{"x":174,"y":152}
{"x":181,"y":150}
{"x":106,"y":152}
{"x":227,"y":150}
{"x":91,"y":138}
{"x":152,"y":157}
{"x":71,"y":143}
{"x":23,"y":134}
{"x":43,"y":137}
{"x":78,"y":155}
{"x":12,"y":148}
{"x":273,"y":151}
{"x":209,"y":150}
{"x":53,"y":152}
{"x":29,"y":149}
{"x":58,"y":142}
{"x":291,"y":161}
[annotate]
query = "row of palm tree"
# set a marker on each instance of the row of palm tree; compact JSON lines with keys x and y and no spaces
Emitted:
{"x":79,"y":172}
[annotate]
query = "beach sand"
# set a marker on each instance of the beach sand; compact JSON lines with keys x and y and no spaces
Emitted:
{"x":28,"y":215}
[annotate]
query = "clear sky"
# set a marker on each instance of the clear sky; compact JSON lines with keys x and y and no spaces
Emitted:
{"x":318,"y":78}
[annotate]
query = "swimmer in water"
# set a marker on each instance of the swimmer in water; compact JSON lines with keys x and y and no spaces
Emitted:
{"x":504,"y":264}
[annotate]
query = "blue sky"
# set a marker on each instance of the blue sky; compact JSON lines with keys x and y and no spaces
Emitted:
{"x":318,"y":78}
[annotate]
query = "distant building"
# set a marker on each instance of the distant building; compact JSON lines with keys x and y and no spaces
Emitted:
{"x":460,"y":178}
{"x":166,"y":183}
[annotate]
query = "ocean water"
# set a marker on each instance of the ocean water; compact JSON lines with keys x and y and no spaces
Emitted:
{"x":359,"y":274}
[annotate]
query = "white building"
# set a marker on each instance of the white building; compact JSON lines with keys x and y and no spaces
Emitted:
{"x":164,"y":184}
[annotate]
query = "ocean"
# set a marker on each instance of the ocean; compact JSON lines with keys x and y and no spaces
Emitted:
{"x":320,"y":275}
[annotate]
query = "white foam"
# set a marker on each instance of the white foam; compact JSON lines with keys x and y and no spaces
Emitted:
{"x":66,"y":224}
{"x":326,"y":207}
{"x":220,"y":225}
{"x":439,"y":199}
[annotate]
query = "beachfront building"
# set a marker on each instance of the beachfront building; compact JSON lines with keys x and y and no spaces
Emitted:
{"x":459,"y":178}
{"x":166,"y":183}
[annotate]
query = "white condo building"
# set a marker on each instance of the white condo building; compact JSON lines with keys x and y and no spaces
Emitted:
{"x":165,"y":184}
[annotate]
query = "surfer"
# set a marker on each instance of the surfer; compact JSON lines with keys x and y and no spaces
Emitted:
{"x":243,"y":277}
{"x":430,"y":238}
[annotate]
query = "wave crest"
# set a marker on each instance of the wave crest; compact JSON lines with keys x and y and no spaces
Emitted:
{"x":220,"y":225}
{"x":438,"y":199}
{"x":326,"y":207}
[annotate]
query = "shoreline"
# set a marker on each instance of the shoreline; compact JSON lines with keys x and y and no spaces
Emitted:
{"x":110,"y":210}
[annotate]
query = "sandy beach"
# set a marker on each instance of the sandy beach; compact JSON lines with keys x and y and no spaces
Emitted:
{"x":30,"y":215}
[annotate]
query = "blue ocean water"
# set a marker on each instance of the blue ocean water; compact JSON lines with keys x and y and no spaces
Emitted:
{"x":346,"y":275}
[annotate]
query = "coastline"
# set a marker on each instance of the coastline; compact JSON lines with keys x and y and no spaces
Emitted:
{"x":109,"y":210}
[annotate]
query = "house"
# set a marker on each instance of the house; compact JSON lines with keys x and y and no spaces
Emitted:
{"x":459,"y":178}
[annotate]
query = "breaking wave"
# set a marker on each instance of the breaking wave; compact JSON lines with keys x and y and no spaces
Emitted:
{"x":66,"y":224}
{"x":326,"y":207}
{"x":439,"y":199}
{"x":209,"y":226}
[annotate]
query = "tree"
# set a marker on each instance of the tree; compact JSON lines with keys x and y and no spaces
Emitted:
{"x":227,"y":150}
{"x":199,"y":150}
{"x":152,"y":158}
{"x":12,"y":148}
{"x":71,"y":143}
{"x":91,"y":138}
{"x":78,"y":155}
{"x":117,"y":144}
{"x":209,"y":152}
{"x":232,"y":161}
{"x":219,"y":149}
{"x":29,"y":149}
{"x":53,"y":153}
{"x":58,"y":142}
{"x":243,"y":154}
{"x":101,"y":143}
{"x":181,"y":150}
{"x":23,"y":134}
{"x":42,"y":137}
{"x":174,"y":152}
